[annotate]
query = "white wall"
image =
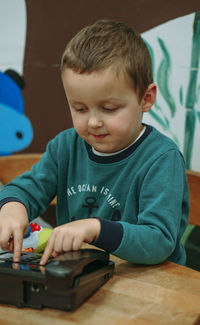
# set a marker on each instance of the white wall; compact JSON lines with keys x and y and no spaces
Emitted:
{"x":176,"y":35}
{"x":12,"y":34}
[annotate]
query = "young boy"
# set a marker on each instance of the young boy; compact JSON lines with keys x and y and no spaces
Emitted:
{"x":120,"y":185}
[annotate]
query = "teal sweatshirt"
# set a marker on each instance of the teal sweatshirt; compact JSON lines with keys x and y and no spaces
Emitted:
{"x":139,"y":195}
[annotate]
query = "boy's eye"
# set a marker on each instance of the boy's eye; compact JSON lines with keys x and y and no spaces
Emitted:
{"x":109,"y":109}
{"x":80,"y":109}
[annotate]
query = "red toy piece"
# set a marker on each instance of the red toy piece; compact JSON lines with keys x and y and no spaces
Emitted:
{"x":35,"y":227}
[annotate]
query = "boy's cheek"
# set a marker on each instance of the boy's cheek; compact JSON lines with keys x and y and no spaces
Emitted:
{"x":80,"y":127}
{"x":76,"y":124}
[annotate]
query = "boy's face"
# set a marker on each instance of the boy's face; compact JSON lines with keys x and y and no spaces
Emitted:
{"x":105,"y":109}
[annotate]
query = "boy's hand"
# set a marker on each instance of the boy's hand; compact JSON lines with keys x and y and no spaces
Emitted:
{"x":13,"y":227}
{"x":70,"y":237}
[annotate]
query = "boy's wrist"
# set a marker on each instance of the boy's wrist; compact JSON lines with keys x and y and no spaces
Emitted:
{"x":9,"y":199}
{"x":14,"y":205}
{"x":97,"y":227}
{"x":110,"y":236}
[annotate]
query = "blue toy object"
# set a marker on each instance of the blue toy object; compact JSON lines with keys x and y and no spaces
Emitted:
{"x":16,"y":131}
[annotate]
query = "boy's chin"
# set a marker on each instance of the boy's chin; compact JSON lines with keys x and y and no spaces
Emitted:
{"x":105,"y":149}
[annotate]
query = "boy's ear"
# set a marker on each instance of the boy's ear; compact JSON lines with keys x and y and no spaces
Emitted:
{"x":149,"y":97}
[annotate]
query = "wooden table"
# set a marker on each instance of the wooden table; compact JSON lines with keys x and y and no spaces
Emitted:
{"x":145,"y":295}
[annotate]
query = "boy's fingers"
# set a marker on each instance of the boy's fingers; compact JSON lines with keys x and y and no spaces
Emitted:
{"x":54,"y":253}
{"x":47,"y":252}
{"x":18,"y":238}
{"x":4,"y":239}
{"x":45,"y":256}
{"x":11,"y":244}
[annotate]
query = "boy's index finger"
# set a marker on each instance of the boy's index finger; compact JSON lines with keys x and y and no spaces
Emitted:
{"x":45,"y":256}
{"x":47,"y":253}
{"x":18,"y":239}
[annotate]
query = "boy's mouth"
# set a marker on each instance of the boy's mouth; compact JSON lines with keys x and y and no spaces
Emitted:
{"x":99,"y":136}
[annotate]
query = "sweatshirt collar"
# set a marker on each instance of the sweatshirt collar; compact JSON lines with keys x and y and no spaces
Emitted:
{"x":117,"y":156}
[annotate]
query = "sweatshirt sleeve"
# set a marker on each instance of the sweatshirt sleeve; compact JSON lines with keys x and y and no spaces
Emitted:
{"x":36,"y":188}
{"x":163,"y":215}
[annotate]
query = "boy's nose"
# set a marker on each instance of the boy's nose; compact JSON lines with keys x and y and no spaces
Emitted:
{"x":94,"y":122}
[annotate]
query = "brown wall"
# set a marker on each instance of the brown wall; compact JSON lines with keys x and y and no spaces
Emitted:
{"x":50,"y":25}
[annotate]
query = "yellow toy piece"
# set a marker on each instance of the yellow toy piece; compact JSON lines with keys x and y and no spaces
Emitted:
{"x":43,"y":237}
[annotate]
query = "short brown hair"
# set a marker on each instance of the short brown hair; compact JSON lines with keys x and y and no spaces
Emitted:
{"x":107,"y":43}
